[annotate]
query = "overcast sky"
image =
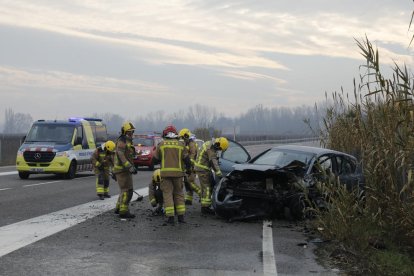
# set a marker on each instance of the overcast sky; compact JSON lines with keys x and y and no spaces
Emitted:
{"x":78,"y":57}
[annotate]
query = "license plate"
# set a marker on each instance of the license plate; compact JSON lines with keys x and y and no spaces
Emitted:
{"x":36,"y":169}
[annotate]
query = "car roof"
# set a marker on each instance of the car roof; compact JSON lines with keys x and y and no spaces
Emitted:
{"x":314,"y":150}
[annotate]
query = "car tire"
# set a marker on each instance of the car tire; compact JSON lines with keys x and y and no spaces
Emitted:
{"x":24,"y":175}
{"x":71,"y":171}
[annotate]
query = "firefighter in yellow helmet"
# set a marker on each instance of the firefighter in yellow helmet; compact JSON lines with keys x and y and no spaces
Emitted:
{"x":189,"y":179}
{"x":155,"y":193}
{"x":174,"y":160}
{"x":207,"y":161}
{"x":124,"y":169}
{"x":102,"y":162}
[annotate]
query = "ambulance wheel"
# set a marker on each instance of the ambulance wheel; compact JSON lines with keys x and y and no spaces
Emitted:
{"x":72,"y":171}
{"x":24,"y":175}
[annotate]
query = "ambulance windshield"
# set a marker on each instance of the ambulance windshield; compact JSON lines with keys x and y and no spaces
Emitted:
{"x":61,"y":134}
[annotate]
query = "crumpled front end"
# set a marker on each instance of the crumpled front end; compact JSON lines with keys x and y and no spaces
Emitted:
{"x":253,"y":193}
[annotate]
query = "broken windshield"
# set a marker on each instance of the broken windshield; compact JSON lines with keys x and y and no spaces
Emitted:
{"x":283,"y":158}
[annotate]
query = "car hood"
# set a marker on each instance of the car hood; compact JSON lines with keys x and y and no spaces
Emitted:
{"x":43,"y":145}
{"x":251,"y":171}
{"x":262,"y":168}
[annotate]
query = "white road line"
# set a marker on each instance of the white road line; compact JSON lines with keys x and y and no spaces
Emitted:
{"x":8,"y":173}
{"x":17,"y":235}
{"x":5,"y":189}
{"x":43,"y":183}
{"x":269,"y":262}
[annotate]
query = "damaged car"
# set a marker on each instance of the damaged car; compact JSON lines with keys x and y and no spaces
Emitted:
{"x":281,"y":181}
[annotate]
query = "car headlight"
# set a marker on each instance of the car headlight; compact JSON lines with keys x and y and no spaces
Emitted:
{"x":62,"y":154}
{"x":19,"y":153}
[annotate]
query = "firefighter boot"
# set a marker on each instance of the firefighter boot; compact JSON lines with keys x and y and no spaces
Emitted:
{"x":170,"y":220}
{"x":181,"y":219}
{"x":107,"y":195}
{"x":116,"y":211}
{"x":101,"y":197}
{"x":127,"y":215}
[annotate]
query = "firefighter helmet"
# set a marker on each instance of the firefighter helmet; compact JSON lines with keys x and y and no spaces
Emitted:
{"x":127,"y":126}
{"x":109,"y":146}
{"x":184,"y":133}
{"x":221,"y":143}
{"x":169,"y":129}
{"x":156,"y":175}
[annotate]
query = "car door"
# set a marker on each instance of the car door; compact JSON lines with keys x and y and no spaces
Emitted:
{"x":235,"y":154}
{"x":346,"y":168}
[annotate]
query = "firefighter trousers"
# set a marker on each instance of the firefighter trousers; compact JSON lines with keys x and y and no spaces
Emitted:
{"x":173,"y":195}
{"x":102,"y":183}
{"x":124,"y":180}
{"x":206,"y":187}
{"x":191,"y":186}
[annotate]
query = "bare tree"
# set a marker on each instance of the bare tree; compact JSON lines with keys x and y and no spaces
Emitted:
{"x":16,"y":122}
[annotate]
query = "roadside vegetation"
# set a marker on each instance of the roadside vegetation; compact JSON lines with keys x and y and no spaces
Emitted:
{"x":376,"y":124}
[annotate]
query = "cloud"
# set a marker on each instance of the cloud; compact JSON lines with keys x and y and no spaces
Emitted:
{"x":14,"y":78}
{"x":239,"y":31}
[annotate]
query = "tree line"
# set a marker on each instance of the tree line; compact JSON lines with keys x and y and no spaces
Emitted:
{"x":258,"y":120}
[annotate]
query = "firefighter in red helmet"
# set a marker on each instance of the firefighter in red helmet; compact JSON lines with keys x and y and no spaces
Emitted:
{"x":174,"y":161}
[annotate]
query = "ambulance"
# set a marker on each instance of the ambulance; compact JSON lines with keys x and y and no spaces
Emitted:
{"x":62,"y":147}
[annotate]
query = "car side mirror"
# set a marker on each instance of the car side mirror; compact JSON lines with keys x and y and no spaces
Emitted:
{"x":22,"y":139}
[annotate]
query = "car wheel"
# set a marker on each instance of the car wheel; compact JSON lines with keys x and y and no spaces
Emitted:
{"x":71,"y":171}
{"x":24,"y":175}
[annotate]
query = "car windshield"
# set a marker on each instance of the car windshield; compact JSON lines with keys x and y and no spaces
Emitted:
{"x":282,"y":158}
{"x":51,"y":133}
{"x":148,"y":142}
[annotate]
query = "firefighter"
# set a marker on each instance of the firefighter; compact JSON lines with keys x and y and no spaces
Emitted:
{"x":124,"y":169}
{"x":189,"y":179}
{"x":102,"y":161}
{"x":173,"y":156}
{"x":206,"y":162}
{"x":155,"y":193}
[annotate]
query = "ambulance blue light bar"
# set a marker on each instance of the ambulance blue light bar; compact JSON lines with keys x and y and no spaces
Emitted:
{"x":77,"y":119}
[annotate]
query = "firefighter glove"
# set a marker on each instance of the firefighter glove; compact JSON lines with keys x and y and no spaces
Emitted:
{"x":113,"y":176}
{"x":219,"y":174}
{"x":133,"y":170}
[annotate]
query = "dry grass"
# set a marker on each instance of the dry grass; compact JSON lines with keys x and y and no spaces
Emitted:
{"x":376,"y":125}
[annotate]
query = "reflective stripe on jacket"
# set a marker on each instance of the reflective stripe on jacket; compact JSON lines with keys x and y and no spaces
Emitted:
{"x":124,"y":154}
{"x":102,"y":159}
{"x":207,"y":158}
{"x":171,"y":153}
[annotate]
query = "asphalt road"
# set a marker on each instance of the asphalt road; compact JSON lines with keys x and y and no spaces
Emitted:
{"x":51,"y":226}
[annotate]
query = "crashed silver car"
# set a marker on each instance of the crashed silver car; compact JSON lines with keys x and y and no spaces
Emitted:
{"x":281,"y":181}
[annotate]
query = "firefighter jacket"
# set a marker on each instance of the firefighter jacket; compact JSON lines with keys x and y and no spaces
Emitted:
{"x":102,"y":160}
{"x":207,"y":158}
{"x":124,"y":154}
{"x":152,"y":188}
{"x":173,"y":156}
{"x":192,"y":151}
